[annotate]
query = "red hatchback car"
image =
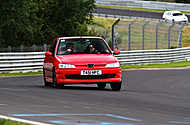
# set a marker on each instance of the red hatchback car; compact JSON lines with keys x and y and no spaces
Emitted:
{"x":82,"y":60}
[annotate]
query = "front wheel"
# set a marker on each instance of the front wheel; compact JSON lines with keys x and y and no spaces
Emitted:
{"x":46,"y":84}
{"x":55,"y":84}
{"x":173,"y":21}
{"x":116,"y":86}
{"x":54,"y":78}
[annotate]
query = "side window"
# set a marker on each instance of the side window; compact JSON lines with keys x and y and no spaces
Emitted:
{"x":52,"y":48}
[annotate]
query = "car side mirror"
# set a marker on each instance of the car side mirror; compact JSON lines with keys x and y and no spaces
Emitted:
{"x":48,"y":53}
{"x":116,"y":52}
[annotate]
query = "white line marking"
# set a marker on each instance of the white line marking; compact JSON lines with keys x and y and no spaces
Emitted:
{"x":23,"y":120}
{"x":2,"y":104}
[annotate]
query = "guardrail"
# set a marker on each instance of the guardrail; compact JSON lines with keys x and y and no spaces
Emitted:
{"x":21,"y":62}
{"x":141,"y":57}
{"x":33,"y":61}
{"x":146,"y":4}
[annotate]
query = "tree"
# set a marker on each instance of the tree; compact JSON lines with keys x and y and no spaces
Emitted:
{"x":17,"y":23}
{"x":30,"y":22}
{"x":67,"y":18}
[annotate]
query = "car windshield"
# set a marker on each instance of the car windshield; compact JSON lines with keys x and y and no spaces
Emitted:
{"x":177,"y":14}
{"x":82,"y":46}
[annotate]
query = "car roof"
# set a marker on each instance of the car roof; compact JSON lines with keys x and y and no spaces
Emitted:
{"x":173,"y":11}
{"x":73,"y":37}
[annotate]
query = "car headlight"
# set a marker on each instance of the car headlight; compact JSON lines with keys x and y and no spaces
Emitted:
{"x":117,"y":64}
{"x":62,"y":65}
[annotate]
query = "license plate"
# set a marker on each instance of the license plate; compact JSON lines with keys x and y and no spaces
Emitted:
{"x":91,"y":72}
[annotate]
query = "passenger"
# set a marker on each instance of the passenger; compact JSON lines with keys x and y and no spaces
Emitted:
{"x":91,"y":49}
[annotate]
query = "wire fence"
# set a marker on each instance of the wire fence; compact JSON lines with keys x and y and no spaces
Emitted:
{"x":140,"y":34}
{"x":135,"y":33}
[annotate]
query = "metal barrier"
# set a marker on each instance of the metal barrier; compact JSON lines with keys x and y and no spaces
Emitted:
{"x":141,"y":57}
{"x":33,"y":61}
{"x":21,"y":62}
{"x":146,"y":4}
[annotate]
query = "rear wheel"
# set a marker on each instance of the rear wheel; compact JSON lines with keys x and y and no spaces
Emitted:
{"x":116,"y":86}
{"x":101,"y":85}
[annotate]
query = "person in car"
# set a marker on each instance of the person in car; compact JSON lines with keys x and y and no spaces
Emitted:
{"x":91,"y":49}
{"x":69,"y":48}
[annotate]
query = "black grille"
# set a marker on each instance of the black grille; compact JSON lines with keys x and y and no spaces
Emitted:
{"x":90,"y":65}
{"x":103,"y":76}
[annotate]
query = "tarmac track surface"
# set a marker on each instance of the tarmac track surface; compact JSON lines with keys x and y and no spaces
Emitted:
{"x":148,"y":97}
{"x":130,"y":13}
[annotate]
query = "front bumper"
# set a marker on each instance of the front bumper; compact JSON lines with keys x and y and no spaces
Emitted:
{"x":73,"y":76}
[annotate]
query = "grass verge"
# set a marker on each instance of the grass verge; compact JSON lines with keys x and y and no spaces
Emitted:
{"x":9,"y":122}
{"x":129,"y":8}
{"x":168,"y":65}
{"x":20,"y":74}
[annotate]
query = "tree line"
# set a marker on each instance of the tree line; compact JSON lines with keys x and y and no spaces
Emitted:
{"x":29,"y":22}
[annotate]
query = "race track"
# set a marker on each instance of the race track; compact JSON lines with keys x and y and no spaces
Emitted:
{"x":130,"y":13}
{"x":148,"y":97}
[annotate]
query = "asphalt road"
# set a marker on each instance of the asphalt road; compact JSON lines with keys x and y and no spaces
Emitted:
{"x":130,"y":13}
{"x":148,"y":97}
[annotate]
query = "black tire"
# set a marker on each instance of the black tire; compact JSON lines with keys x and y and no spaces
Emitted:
{"x":173,"y":21}
{"x":55,"y":84}
{"x":116,"y":86}
{"x":166,"y":20}
{"x":101,"y":85}
{"x":46,"y":84}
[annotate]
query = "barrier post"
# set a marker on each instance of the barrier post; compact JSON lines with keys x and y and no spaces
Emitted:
{"x":179,"y":42}
{"x":113,"y":33}
{"x":169,"y":33}
{"x":157,"y":26}
{"x":143,"y":33}
{"x":129,"y":34}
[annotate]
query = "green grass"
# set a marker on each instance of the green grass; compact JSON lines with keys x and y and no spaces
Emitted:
{"x":20,"y":74}
{"x":9,"y":122}
{"x":168,"y":65}
{"x":129,"y":8}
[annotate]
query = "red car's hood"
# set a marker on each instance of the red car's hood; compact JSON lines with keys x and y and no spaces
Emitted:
{"x":81,"y":59}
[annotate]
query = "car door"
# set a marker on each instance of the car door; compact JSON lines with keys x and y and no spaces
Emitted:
{"x":49,"y":61}
{"x":170,"y":16}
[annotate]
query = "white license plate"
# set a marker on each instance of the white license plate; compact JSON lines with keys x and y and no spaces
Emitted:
{"x":91,"y":72}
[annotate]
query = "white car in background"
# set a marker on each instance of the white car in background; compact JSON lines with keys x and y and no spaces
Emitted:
{"x":175,"y":16}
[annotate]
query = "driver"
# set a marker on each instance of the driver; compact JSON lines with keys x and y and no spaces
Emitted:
{"x":69,"y":48}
